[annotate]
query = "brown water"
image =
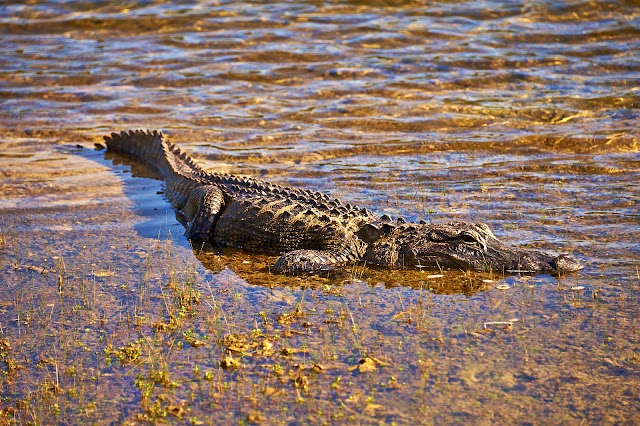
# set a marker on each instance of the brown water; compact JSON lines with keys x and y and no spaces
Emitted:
{"x":523,"y":115}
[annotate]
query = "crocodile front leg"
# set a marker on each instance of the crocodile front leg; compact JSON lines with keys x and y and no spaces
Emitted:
{"x":202,"y":210}
{"x":307,"y":262}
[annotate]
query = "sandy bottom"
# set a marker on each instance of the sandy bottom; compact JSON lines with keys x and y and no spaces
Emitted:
{"x":108,"y":315}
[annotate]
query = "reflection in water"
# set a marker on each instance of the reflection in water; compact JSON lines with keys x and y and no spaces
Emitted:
{"x":522,"y":115}
{"x":258,"y":270}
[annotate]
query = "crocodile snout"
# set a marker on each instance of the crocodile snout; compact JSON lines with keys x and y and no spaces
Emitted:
{"x":566,"y":263}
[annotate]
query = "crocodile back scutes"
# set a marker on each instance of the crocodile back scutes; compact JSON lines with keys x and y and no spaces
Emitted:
{"x":182,"y":174}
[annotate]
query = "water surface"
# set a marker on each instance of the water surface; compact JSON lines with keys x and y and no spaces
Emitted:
{"x":523,"y":115}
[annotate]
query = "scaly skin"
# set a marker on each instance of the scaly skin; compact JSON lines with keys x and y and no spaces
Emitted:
{"x":313,"y":233}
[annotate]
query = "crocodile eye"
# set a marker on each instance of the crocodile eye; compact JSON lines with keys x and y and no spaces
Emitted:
{"x":467,"y":238}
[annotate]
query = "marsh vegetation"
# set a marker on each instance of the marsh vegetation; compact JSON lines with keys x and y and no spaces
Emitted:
{"x":521,"y":116}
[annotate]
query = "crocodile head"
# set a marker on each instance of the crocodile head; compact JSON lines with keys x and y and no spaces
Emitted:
{"x":460,"y":245}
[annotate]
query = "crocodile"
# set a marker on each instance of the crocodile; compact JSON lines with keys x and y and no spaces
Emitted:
{"x":310,"y":231}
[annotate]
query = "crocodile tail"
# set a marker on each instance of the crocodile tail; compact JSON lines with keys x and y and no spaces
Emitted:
{"x":152,"y":148}
{"x":144,"y":145}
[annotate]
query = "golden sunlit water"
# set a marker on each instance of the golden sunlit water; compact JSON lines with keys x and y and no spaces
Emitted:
{"x":522,"y":115}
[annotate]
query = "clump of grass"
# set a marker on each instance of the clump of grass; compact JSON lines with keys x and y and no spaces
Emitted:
{"x":131,"y":353}
{"x":184,"y":294}
{"x":3,"y":238}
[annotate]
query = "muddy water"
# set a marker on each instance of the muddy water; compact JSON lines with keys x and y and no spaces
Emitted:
{"x":521,"y":115}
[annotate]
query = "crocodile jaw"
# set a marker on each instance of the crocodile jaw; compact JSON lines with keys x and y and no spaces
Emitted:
{"x":496,"y":257}
{"x":462,"y":245}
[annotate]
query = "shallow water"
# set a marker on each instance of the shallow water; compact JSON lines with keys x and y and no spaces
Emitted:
{"x":521,"y":115}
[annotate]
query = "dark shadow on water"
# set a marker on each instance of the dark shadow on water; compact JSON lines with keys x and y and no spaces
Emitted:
{"x":256,"y":270}
{"x":144,"y":185}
